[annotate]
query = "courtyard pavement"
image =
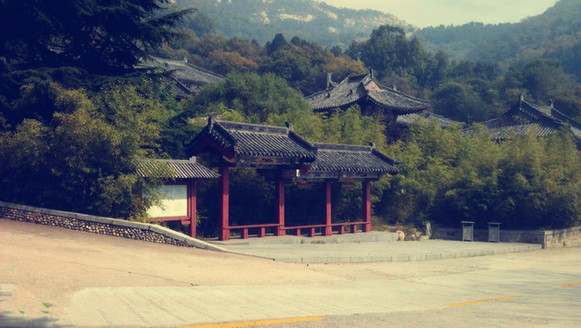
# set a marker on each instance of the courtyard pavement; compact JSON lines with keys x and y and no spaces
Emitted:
{"x":63,"y":278}
{"x":365,"y":247}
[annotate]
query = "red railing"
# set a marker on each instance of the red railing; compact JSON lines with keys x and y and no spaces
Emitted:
{"x":310,"y":230}
{"x":261,"y":229}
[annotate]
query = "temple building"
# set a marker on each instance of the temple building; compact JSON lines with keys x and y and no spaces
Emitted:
{"x":283,"y":156}
{"x":372,"y":97}
{"x":188,"y":78}
{"x":525,"y":117}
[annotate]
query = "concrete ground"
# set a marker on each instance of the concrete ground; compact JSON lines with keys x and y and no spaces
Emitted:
{"x":363,"y":248}
{"x":56,"y":277}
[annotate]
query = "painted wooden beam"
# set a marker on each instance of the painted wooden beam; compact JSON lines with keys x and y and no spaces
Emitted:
{"x":280,"y":207}
{"x":223,"y":224}
{"x":328,"y":216}
{"x":192,"y":207}
{"x":366,"y":206}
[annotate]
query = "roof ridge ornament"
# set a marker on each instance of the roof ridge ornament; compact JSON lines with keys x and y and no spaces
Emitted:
{"x":212,"y":120}
{"x":372,"y":145}
{"x":289,"y":126}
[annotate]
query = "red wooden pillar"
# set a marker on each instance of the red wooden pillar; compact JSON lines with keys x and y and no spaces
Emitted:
{"x":328,"y":218}
{"x":223,"y":224}
{"x":366,"y":206}
{"x":280,"y":207}
{"x":192,"y":199}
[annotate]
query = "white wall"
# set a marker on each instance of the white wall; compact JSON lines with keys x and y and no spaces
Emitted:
{"x":174,"y":202}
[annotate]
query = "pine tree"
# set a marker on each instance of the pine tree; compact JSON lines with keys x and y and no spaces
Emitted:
{"x":100,"y":36}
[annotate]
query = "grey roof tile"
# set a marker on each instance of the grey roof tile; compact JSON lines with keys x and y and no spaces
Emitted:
{"x":363,"y":89}
{"x":525,"y":118}
{"x":174,"y":169}
{"x":407,"y":120}
{"x":250,"y":141}
{"x":352,"y":161}
{"x":189,"y":78}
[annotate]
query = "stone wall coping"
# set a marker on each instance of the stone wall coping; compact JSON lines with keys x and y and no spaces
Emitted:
{"x":548,"y":238}
{"x":532,"y":232}
{"x":550,"y":232}
{"x":117,"y":222}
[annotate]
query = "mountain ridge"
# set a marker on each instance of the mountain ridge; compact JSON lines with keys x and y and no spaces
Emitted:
{"x":554,"y":34}
{"x":311,"y":20}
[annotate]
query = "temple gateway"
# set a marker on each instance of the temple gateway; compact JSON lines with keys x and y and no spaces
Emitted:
{"x":284,"y":156}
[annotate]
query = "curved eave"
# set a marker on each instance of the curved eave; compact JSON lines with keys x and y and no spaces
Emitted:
{"x":327,"y":108}
{"x":400,"y":110}
{"x":350,"y":171}
{"x":352,"y":161}
{"x":321,"y":105}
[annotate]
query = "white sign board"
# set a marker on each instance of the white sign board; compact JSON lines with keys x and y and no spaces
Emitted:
{"x":174,"y":201}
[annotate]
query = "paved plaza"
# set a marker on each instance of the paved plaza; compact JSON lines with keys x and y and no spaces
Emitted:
{"x":362,"y":248}
{"x":57,"y":277}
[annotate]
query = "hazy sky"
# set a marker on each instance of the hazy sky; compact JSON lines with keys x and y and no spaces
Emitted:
{"x":423,"y":13}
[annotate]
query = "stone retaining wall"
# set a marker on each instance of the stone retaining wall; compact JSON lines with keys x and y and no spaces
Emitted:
{"x":100,"y":225}
{"x":548,"y":238}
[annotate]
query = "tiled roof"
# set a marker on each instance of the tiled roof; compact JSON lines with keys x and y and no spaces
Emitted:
{"x":252,"y":143}
{"x":268,"y":146}
{"x":525,"y":118}
{"x":188,"y":77}
{"x":174,"y":169}
{"x":351,"y":161}
{"x":364,"y":88}
{"x":406,"y":120}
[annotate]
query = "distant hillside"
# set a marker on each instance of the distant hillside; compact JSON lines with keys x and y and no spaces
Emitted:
{"x":310,"y":20}
{"x":555,"y":34}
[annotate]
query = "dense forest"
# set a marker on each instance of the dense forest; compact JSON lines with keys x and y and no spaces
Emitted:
{"x":554,"y":35}
{"x":75,"y":116}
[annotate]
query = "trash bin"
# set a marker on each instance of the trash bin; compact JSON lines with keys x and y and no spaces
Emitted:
{"x":493,"y":232}
{"x":467,"y":230}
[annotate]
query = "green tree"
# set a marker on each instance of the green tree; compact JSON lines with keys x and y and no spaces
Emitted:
{"x":256,"y":97}
{"x":459,"y":101}
{"x":427,"y":160}
{"x":447,"y":176}
{"x":388,"y":51}
{"x":277,"y":43}
{"x":82,"y":159}
{"x":472,"y":191}
{"x":96,"y":35}
{"x":540,"y":183}
{"x":543,"y":80}
{"x":136,"y":112}
{"x":350,"y":127}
